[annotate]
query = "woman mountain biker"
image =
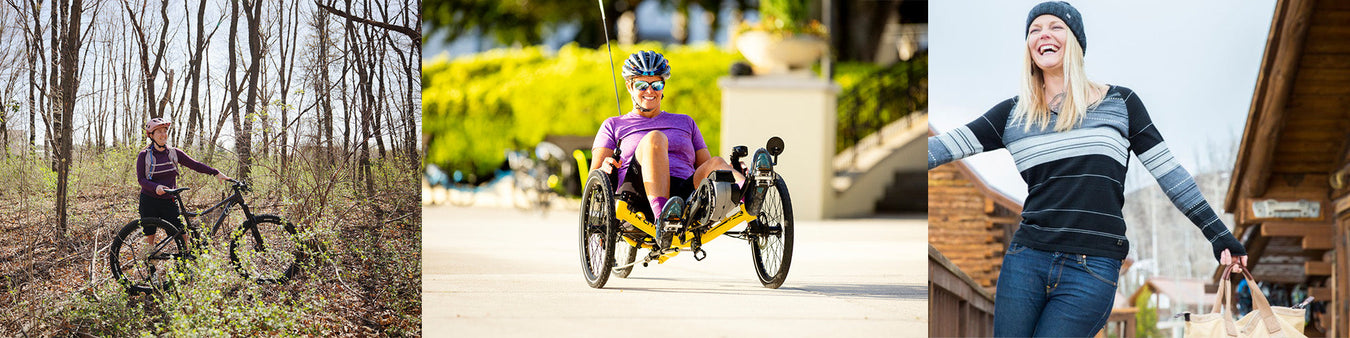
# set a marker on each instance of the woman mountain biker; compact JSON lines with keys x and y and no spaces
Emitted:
{"x":669,"y":147}
{"x":157,"y":170}
{"x":1071,"y":139}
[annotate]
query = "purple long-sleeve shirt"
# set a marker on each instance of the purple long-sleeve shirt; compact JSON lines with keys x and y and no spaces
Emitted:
{"x":164,"y":172}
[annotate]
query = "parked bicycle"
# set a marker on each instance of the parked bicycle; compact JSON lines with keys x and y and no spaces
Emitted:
{"x":537,"y":178}
{"x":263,"y":248}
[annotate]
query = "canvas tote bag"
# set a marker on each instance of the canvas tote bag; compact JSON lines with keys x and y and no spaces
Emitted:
{"x":1263,"y":321}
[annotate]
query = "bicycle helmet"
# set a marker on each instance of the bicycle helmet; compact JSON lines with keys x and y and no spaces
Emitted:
{"x":156,"y":123}
{"x":646,"y":63}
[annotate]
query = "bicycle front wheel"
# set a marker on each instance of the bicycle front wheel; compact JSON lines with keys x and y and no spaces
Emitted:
{"x":265,"y":249}
{"x":771,"y":239}
{"x":597,"y":230}
{"x":142,"y":262}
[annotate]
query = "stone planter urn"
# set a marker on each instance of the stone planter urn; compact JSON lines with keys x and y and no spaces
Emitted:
{"x":776,"y":54}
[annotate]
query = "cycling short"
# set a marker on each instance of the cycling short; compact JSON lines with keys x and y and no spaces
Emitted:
{"x":679,"y":186}
{"x":159,"y":208}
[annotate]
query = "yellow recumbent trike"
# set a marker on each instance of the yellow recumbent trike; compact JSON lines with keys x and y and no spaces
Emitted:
{"x":616,"y":221}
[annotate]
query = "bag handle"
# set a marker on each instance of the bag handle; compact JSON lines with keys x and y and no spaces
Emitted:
{"x":1259,"y":301}
{"x":1221,"y":304}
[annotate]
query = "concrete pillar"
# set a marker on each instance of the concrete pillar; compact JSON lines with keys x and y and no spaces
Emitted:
{"x":798,"y":109}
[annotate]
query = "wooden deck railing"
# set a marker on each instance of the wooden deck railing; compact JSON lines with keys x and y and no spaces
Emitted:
{"x":957,"y":306}
{"x":1120,"y":324}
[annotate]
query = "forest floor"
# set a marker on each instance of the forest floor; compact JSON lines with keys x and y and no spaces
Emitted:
{"x":360,"y":263}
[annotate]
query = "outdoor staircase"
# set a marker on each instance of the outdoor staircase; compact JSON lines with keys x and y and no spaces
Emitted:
{"x":886,"y":172}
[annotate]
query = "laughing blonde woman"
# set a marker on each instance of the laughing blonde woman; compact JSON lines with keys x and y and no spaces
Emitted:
{"x":1071,"y":139}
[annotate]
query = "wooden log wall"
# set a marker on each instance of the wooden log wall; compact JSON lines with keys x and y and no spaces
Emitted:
{"x":967,"y":223}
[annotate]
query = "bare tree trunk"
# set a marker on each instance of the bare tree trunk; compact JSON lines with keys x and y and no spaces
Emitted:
{"x":150,"y":68}
{"x":363,"y":102}
{"x":33,"y":51}
{"x":231,"y":83}
{"x":285,"y":73}
{"x":68,"y":83}
{"x":244,"y":140}
{"x":194,"y":75}
{"x":323,"y":87}
{"x":53,"y":86}
{"x":374,"y":95}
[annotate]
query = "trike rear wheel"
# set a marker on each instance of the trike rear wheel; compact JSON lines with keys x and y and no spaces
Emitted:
{"x":626,"y":254}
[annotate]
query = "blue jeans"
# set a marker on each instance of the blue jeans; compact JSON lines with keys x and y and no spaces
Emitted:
{"x":1053,"y":294}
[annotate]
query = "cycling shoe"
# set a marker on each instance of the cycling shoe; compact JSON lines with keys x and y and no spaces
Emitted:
{"x":761,"y":178}
{"x":671,"y":220}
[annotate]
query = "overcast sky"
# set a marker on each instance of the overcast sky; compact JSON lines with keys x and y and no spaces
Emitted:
{"x":1193,"y":63}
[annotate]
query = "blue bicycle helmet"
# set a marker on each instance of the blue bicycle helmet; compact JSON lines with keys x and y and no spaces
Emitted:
{"x":648,"y":63}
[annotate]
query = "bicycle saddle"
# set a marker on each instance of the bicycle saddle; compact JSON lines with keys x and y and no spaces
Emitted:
{"x":175,"y":191}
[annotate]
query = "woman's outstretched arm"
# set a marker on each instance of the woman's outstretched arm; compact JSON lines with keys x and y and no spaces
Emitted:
{"x":1176,"y":182}
{"x":983,"y":134}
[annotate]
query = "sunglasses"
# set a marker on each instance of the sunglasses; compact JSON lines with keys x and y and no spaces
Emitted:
{"x":655,"y":85}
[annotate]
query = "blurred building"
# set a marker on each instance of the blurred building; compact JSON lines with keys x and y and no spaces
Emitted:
{"x":1289,"y":191}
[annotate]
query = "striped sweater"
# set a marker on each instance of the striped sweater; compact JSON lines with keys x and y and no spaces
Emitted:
{"x":1075,"y":178}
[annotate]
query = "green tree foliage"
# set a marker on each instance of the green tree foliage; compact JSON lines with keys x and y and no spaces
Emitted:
{"x":477,"y":107}
{"x":874,"y":96}
{"x":508,"y":21}
{"x":1146,"y":320}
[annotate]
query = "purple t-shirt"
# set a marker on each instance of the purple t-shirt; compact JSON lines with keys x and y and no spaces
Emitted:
{"x":685,"y":139}
{"x":164,"y":172}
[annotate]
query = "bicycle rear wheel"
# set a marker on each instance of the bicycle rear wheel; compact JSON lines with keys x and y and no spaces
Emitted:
{"x":626,"y":254}
{"x":142,"y":263}
{"x":265,"y":249}
{"x":771,"y":239}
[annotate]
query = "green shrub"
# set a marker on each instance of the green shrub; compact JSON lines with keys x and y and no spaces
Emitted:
{"x":476,"y":107}
{"x":207,"y":299}
{"x":1146,"y":320}
{"x":872,"y":96}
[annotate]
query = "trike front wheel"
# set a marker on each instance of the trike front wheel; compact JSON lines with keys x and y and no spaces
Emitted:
{"x":770,"y":236}
{"x":598,"y":229}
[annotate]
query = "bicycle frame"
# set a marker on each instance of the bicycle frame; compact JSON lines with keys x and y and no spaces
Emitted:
{"x":237,"y":198}
{"x":623,"y":213}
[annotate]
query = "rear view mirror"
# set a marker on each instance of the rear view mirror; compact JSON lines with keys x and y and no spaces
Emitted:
{"x":775,"y":146}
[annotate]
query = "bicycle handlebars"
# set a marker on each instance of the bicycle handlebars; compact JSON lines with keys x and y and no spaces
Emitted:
{"x":238,"y":185}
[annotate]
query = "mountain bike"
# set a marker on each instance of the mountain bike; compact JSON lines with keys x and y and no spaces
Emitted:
{"x":263,"y":248}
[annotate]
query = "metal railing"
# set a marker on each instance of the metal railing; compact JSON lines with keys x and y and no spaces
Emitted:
{"x":884,"y":96}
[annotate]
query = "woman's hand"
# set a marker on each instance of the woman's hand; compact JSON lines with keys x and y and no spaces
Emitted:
{"x":608,"y":165}
{"x":222,"y":176}
{"x":1226,"y":258}
{"x":159,"y":190}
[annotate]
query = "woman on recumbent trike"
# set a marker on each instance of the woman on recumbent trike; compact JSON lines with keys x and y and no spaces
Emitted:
{"x":662,"y":156}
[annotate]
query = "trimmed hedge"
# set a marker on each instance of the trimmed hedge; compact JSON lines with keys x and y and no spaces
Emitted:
{"x":477,"y":107}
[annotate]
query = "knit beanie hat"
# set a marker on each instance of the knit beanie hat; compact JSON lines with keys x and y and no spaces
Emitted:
{"x":1064,"y":11}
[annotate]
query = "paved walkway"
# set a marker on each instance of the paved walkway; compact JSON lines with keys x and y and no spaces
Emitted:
{"x":503,"y":272}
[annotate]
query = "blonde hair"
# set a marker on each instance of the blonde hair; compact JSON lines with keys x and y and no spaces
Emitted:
{"x":1031,"y":106}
